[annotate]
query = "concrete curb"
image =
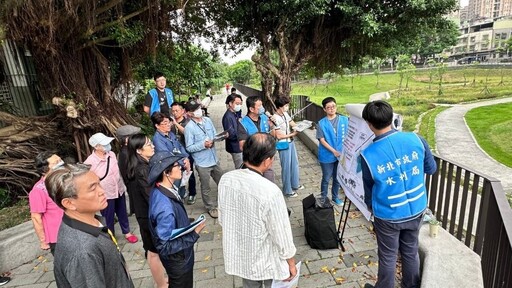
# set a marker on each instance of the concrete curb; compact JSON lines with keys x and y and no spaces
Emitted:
{"x":18,"y":245}
{"x":447,"y":262}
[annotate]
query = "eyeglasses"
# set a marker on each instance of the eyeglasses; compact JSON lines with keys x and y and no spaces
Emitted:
{"x":330,"y":107}
{"x":165,"y":122}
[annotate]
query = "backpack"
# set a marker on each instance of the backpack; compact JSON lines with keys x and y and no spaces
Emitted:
{"x":319,"y":224}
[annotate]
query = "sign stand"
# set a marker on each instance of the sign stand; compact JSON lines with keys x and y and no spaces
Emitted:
{"x":343,"y":219}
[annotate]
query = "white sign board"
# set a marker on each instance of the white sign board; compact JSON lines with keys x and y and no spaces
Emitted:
{"x":350,"y":176}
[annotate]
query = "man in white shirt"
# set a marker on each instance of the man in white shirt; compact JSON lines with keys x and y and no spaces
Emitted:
{"x":257,"y":237}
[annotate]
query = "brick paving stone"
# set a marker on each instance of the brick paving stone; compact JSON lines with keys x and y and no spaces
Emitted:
{"x":318,"y":280}
{"x":205,"y":273}
{"x":320,"y":266}
{"x":24,"y":279}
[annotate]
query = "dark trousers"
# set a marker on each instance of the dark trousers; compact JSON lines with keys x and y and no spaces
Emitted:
{"x":118,"y":207}
{"x":185,"y":280}
{"x":52,"y":248}
{"x":192,"y":180}
{"x":394,"y":237}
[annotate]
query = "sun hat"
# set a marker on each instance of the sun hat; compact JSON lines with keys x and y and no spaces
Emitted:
{"x":99,"y":138}
{"x":159,"y":163}
{"x":127,"y":130}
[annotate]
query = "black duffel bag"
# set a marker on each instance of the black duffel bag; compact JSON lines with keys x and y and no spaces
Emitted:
{"x":319,"y":223}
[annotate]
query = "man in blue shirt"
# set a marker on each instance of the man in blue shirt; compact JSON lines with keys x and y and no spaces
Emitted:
{"x":255,"y":121}
{"x":159,"y":99}
{"x":393,"y":168}
{"x":164,"y":140}
{"x":199,"y":136}
{"x":230,"y":122}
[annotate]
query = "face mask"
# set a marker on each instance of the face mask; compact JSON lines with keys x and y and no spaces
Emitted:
{"x":198,"y":113}
{"x":238,"y":108}
{"x":107,"y":147}
{"x":58,"y":165}
{"x":286,"y":108}
{"x":261,"y":111}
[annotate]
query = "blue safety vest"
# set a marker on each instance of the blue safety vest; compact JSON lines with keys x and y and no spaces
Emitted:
{"x":251,"y":128}
{"x":155,"y":104}
{"x":396,"y":163}
{"x":334,"y":139}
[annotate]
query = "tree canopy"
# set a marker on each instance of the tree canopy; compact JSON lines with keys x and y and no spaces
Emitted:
{"x":328,"y":35}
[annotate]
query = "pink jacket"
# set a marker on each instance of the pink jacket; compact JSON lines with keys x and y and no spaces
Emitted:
{"x":113,"y":183}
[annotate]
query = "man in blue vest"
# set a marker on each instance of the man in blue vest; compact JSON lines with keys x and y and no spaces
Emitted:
{"x":159,"y":99}
{"x":393,"y":168}
{"x":255,"y":121}
{"x":330,"y":133}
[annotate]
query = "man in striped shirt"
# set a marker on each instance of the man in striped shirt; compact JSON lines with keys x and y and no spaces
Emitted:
{"x":257,"y":238}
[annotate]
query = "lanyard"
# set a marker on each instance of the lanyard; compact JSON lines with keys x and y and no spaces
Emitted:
{"x":204,"y":131}
{"x":113,"y":239}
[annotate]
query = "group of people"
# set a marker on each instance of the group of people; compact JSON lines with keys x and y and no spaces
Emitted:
{"x":257,"y":240}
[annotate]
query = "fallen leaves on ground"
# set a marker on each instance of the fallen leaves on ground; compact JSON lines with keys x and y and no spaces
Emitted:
{"x":340,"y":280}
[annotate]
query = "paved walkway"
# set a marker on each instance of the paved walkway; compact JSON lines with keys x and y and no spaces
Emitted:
{"x":455,"y":141}
{"x":321,"y":268}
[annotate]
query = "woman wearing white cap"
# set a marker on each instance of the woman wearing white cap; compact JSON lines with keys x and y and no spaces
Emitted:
{"x":104,"y":164}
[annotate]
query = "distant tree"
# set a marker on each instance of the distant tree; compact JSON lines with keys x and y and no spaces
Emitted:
{"x":241,"y":71}
{"x":441,"y":70}
{"x":377,"y":64}
{"x":431,"y":63}
{"x":403,"y":65}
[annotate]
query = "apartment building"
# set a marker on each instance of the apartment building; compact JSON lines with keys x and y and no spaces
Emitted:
{"x":484,"y":40}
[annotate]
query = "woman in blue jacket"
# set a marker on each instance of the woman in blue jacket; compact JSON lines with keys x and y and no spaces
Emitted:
{"x":167,"y":214}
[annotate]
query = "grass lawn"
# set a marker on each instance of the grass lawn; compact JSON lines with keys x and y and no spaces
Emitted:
{"x":427,"y":127}
{"x":14,"y":215}
{"x":491,"y":128}
{"x":418,"y":97}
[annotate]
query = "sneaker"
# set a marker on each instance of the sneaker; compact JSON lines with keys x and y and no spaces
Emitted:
{"x":338,"y":202}
{"x":4,"y":280}
{"x":293,"y":195}
{"x":299,"y":188}
{"x":191,"y":200}
{"x":214,"y":213}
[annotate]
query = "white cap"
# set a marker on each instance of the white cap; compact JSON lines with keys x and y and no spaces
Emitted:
{"x":99,"y":138}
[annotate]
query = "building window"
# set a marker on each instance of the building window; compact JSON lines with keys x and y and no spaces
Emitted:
{"x":472,"y":39}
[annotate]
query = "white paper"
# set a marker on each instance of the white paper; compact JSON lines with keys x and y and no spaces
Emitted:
{"x":220,"y":137}
{"x":185,"y":176}
{"x":350,"y":176}
{"x":288,"y":284}
{"x":302,"y":125}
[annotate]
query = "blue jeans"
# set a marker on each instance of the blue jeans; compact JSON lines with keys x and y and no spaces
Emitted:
{"x":329,"y":170}
{"x":289,"y":169}
{"x":394,"y":237}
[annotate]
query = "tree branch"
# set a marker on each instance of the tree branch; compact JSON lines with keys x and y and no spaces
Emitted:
{"x":117,"y":21}
{"x":107,"y":6}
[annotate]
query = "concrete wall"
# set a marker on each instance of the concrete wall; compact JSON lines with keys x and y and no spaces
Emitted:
{"x":18,"y":245}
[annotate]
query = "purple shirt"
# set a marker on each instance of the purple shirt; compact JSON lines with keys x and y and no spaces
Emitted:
{"x":40,"y":202}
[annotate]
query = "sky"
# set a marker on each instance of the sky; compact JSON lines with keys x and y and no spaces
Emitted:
{"x":464,"y":3}
{"x":246,"y":54}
